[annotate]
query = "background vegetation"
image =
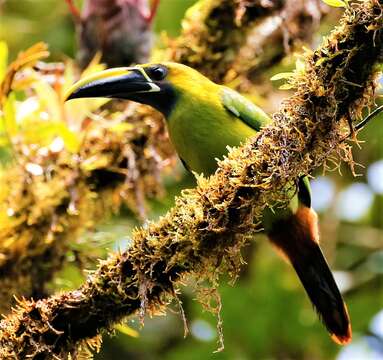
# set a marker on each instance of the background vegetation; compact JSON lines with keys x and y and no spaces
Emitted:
{"x":265,"y":314}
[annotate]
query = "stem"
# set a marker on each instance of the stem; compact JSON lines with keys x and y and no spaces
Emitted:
{"x":364,"y":122}
{"x":74,"y":11}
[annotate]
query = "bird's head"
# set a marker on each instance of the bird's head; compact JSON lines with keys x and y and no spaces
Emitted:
{"x":157,"y":85}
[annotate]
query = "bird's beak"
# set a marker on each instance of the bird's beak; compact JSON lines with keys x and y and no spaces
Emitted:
{"x":113,"y":83}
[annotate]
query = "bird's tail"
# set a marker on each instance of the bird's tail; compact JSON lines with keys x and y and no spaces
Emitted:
{"x":297,"y":238}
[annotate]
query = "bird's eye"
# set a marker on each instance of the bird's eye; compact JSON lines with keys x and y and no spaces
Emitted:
{"x":158,"y":73}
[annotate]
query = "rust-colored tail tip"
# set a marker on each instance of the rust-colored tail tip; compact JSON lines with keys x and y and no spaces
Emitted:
{"x":343,"y":339}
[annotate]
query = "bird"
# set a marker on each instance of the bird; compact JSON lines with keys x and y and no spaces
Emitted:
{"x":204,"y":118}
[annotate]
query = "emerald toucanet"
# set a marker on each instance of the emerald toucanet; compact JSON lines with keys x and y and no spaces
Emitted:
{"x":203,"y":118}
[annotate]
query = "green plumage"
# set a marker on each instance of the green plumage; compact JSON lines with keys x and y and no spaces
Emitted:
{"x":206,"y":120}
{"x":201,"y":128}
{"x":244,"y":109}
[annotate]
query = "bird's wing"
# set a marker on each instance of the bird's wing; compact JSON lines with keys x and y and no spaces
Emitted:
{"x":244,"y":109}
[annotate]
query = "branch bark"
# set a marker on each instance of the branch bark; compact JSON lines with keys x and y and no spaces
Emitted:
{"x":203,"y":233}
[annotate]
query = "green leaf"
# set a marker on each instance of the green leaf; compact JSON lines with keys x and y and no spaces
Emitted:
{"x":9,"y":118}
{"x":3,"y":59}
{"x":95,"y":162}
{"x":48,"y":99}
{"x":4,"y":141}
{"x":77,"y":111}
{"x":283,"y":75}
{"x":286,"y":87}
{"x":300,"y":65}
{"x":44,"y":132}
{"x":121,"y":127}
{"x":71,"y":140}
{"x":321,"y":61}
{"x":127,"y":330}
{"x":335,"y":3}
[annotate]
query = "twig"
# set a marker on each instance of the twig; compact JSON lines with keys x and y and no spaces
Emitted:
{"x":74,"y":11}
{"x":365,"y":121}
{"x":153,"y":11}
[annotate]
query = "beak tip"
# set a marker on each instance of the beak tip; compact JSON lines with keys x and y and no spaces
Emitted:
{"x":69,"y":96}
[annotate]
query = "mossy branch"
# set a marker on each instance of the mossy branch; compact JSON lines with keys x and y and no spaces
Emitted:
{"x":279,"y":35}
{"x":50,"y":211}
{"x":203,"y":233}
{"x":215,"y":30}
{"x":234,"y":40}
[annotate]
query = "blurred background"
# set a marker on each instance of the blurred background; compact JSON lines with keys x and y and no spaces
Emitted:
{"x":266,"y":314}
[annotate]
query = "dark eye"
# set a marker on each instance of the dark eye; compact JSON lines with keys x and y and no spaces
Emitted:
{"x":158,"y":73}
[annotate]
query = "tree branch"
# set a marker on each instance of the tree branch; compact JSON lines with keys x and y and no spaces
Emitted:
{"x":279,"y":35}
{"x":215,"y":30}
{"x":34,"y":244}
{"x":203,"y":233}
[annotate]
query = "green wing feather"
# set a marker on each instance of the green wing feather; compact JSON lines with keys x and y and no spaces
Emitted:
{"x":255,"y":117}
{"x":244,"y":109}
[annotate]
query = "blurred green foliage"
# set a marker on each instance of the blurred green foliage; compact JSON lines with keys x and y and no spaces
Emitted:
{"x":266,"y":314}
{"x":26,"y":22}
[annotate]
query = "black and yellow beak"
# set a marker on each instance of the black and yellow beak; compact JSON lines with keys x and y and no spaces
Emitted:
{"x":119,"y":83}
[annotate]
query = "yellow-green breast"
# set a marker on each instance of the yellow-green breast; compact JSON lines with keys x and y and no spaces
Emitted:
{"x":201,"y":128}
